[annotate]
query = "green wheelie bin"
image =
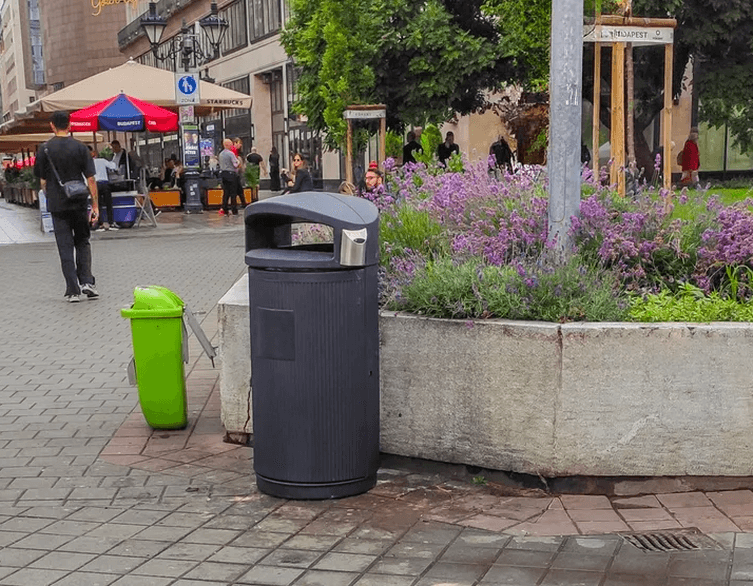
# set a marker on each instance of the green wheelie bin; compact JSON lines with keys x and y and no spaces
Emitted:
{"x":157,"y":329}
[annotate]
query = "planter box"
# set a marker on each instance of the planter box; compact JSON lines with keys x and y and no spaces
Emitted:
{"x":593,"y":399}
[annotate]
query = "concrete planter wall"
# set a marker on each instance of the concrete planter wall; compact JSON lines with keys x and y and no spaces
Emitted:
{"x":606,"y":399}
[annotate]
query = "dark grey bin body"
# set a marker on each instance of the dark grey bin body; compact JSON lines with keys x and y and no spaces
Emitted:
{"x":314,"y":348}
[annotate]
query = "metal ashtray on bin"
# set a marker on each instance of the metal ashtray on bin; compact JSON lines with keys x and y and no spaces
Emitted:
{"x":314,"y":346}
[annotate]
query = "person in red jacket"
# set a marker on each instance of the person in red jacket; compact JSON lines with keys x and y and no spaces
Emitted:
{"x":691,"y":160}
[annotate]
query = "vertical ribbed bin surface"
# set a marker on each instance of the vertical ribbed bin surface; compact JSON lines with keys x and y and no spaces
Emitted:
{"x":315,"y":381}
{"x":313,"y":311}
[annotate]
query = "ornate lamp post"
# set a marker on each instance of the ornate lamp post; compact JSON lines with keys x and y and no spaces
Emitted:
{"x":186,"y":46}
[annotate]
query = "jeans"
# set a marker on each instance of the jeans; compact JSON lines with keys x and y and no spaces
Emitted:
{"x":72,"y":233}
{"x":230,"y":185}
{"x":240,"y":192}
{"x":105,"y":197}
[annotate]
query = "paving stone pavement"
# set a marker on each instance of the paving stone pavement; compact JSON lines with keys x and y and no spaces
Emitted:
{"x":89,"y":495}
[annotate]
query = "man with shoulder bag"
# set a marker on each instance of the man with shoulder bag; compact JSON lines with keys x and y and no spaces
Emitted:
{"x":67,"y":173}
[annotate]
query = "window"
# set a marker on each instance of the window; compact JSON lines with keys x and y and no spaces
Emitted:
{"x":238,"y":121}
{"x":264,"y":18}
{"x":236,"y":36}
{"x":277,"y":103}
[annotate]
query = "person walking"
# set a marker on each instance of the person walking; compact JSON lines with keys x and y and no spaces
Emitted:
{"x":691,"y":159}
{"x":101,"y":165}
{"x":229,"y":165}
{"x":274,"y":169}
{"x":64,"y":157}
{"x":238,"y":150}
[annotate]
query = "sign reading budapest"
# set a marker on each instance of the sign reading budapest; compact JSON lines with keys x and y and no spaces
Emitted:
{"x":638,"y":35}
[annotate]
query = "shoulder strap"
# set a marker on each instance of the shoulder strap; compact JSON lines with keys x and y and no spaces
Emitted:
{"x":52,"y":164}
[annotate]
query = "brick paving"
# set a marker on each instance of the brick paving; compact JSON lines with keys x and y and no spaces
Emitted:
{"x":90,"y":495}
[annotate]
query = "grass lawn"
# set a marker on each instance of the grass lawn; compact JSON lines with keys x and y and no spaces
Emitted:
{"x":731,"y":195}
{"x":727,"y":195}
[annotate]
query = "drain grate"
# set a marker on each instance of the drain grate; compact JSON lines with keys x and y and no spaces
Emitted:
{"x":681,"y":540}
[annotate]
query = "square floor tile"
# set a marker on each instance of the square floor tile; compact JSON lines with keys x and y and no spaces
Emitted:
{"x":345,"y":562}
{"x":270,"y":576}
{"x":325,"y":578}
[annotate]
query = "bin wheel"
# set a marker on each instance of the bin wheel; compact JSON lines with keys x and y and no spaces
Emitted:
{"x":125,"y":224}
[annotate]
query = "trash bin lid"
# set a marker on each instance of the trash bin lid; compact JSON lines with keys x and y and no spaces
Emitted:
{"x":154,"y":301}
{"x":269,"y":224}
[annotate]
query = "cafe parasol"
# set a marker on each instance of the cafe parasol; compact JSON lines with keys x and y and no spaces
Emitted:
{"x":124,"y":113}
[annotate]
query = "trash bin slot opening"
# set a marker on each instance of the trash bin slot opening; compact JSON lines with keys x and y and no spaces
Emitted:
{"x":306,"y":233}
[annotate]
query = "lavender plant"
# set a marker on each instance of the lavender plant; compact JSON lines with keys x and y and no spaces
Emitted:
{"x":467,"y":242}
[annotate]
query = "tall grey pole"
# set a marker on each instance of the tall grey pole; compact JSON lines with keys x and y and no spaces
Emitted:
{"x":566,"y":71}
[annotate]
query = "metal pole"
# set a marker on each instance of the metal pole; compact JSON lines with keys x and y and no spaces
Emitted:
{"x":564,"y":167}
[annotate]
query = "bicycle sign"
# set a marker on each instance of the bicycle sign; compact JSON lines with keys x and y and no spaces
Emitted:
{"x":187,"y":88}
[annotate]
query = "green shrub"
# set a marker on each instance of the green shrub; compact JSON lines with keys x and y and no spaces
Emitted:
{"x":27,"y":176}
{"x":688,"y":304}
{"x":474,"y":289}
{"x":410,"y":229}
{"x":442,"y":289}
{"x":393,"y":145}
{"x":573,"y":292}
{"x":430,"y":140}
{"x":253,"y":173}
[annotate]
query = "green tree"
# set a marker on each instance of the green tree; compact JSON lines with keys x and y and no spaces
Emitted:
{"x":427,"y":60}
{"x":718,"y":34}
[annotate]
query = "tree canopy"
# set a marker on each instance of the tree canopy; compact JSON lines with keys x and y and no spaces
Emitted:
{"x":425,"y":60}
{"x":428,"y":60}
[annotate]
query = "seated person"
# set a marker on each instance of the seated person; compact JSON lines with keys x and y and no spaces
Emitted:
{"x":165,"y":179}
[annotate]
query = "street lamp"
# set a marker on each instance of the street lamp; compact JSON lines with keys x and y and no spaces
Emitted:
{"x":185,"y":44}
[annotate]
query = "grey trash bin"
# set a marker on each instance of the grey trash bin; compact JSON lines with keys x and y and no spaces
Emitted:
{"x":314,"y":346}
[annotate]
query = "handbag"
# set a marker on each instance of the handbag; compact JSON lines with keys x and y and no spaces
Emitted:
{"x":76,"y":191}
{"x":679,"y":157}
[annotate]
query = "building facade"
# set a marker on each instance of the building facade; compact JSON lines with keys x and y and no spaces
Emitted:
{"x":80,"y":39}
{"x":20,"y":55}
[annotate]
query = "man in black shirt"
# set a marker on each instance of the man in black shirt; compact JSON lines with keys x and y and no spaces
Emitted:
{"x":126,"y":163}
{"x":447,"y":149}
{"x":502,"y":153}
{"x":410,"y":148}
{"x":70,"y":220}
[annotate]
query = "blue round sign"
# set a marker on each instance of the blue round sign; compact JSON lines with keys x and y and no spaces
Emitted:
{"x":187,"y":85}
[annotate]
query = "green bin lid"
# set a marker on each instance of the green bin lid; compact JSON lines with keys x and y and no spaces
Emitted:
{"x":154,"y":301}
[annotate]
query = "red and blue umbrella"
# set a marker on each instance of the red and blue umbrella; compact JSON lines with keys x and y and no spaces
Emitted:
{"x":125,"y":114}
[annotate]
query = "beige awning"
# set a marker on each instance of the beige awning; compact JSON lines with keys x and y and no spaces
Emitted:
{"x":14,"y":143}
{"x":144,"y":82}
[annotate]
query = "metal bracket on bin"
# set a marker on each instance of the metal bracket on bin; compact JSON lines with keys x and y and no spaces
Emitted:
{"x":193,"y":323}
